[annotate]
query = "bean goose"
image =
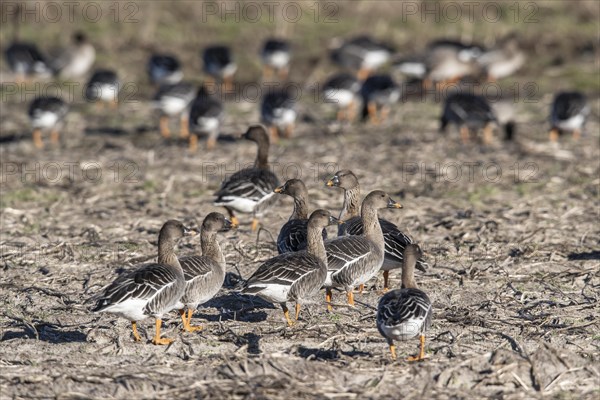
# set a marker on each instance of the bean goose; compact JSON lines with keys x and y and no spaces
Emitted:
{"x":174,"y":100}
{"x":275,"y":56}
{"x":278,"y":112}
{"x":569,"y":112}
{"x":47,"y":113}
{"x":204,"y":275}
{"x":294,"y":276}
{"x":250,"y":190}
{"x":292,"y":236}
{"x":164,"y":69}
{"x":395,"y":240}
{"x":103,"y":87}
{"x":23,"y":58}
{"x":219,"y":64}
{"x":405,"y":313}
{"x":353,"y":260}
{"x":343,"y":90}
{"x":470,"y":113}
{"x":151,"y":290}
{"x":448,"y":61}
{"x":379,"y":93}
{"x":362,"y":54}
{"x":76,"y":60}
{"x":206,"y":114}
{"x":504,"y":59}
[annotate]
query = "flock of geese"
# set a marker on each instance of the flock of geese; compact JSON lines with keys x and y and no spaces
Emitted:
{"x":359,"y":89}
{"x":308,"y":260}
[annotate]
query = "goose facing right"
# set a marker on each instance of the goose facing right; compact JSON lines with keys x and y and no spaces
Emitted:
{"x":205,"y":274}
{"x":405,"y":313}
{"x":151,"y":290}
{"x":353,"y":260}
{"x":294,"y":276}
{"x":292,"y":236}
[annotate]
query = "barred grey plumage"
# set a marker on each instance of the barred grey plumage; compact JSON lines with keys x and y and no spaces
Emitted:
{"x":294,"y":276}
{"x":204,"y":275}
{"x":405,"y":313}
{"x":152,"y":289}
{"x":353,"y":260}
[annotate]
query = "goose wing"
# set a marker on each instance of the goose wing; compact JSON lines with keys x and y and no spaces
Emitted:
{"x":399,"y":306}
{"x":144,"y":283}
{"x":345,"y":251}
{"x":250,"y":183}
{"x":293,"y":235}
{"x":284,"y":269}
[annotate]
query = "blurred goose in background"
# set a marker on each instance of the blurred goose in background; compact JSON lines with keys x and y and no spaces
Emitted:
{"x":76,"y":60}
{"x":353,"y":260}
{"x":206,"y":115}
{"x":219,"y":64}
{"x":47,"y":113}
{"x":569,"y":113}
{"x":292,"y":236}
{"x":294,"y":276}
{"x":278,"y":113}
{"x":174,"y":99}
{"x":469,"y":113}
{"x":448,"y":61}
{"x":164,"y":69}
{"x":361,"y":54}
{"x":23,"y":58}
{"x":504,"y":59}
{"x":250,"y":190}
{"x":151,"y":290}
{"x":103,"y":87}
{"x":275,"y":56}
{"x":404,"y":313}
{"x":343,"y":90}
{"x":351,"y":224}
{"x":378,"y":93}
{"x":204,"y":275}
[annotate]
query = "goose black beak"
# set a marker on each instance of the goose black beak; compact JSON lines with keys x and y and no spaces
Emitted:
{"x":228,"y":225}
{"x":335,"y":181}
{"x":421,"y":266}
{"x":334,"y":221}
{"x":393,"y":204}
{"x":189,"y":232}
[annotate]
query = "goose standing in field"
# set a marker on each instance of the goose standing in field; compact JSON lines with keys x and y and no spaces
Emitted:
{"x":405,"y":313}
{"x":351,"y":224}
{"x":278,"y":113}
{"x":219,"y":64}
{"x":174,"y":100}
{"x":503,"y":60}
{"x":292,"y":236}
{"x":250,"y":190}
{"x":353,"y":260}
{"x":379,"y":92}
{"x":569,"y":112}
{"x":362,"y":54}
{"x":151,"y":290}
{"x":23,"y":58}
{"x":103,"y":87}
{"x":76,"y":60}
{"x":448,"y":61}
{"x":206,"y":115}
{"x":343,"y":90}
{"x":294,"y":276}
{"x":275,"y":56}
{"x":204,"y":275}
{"x":164,"y":69}
{"x":469,"y":113}
{"x":47,"y":113}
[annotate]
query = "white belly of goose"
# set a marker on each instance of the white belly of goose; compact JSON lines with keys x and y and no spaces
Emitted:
{"x":572,"y":123}
{"x":131,"y":309}
{"x":274,"y":293}
{"x":44,"y":119}
{"x":240,"y":204}
{"x":407,"y":330}
{"x":340,"y":97}
{"x":173,"y":105}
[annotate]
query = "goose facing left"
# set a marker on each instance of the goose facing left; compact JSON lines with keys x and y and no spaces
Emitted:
{"x":151,"y":290}
{"x":294,"y":276}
